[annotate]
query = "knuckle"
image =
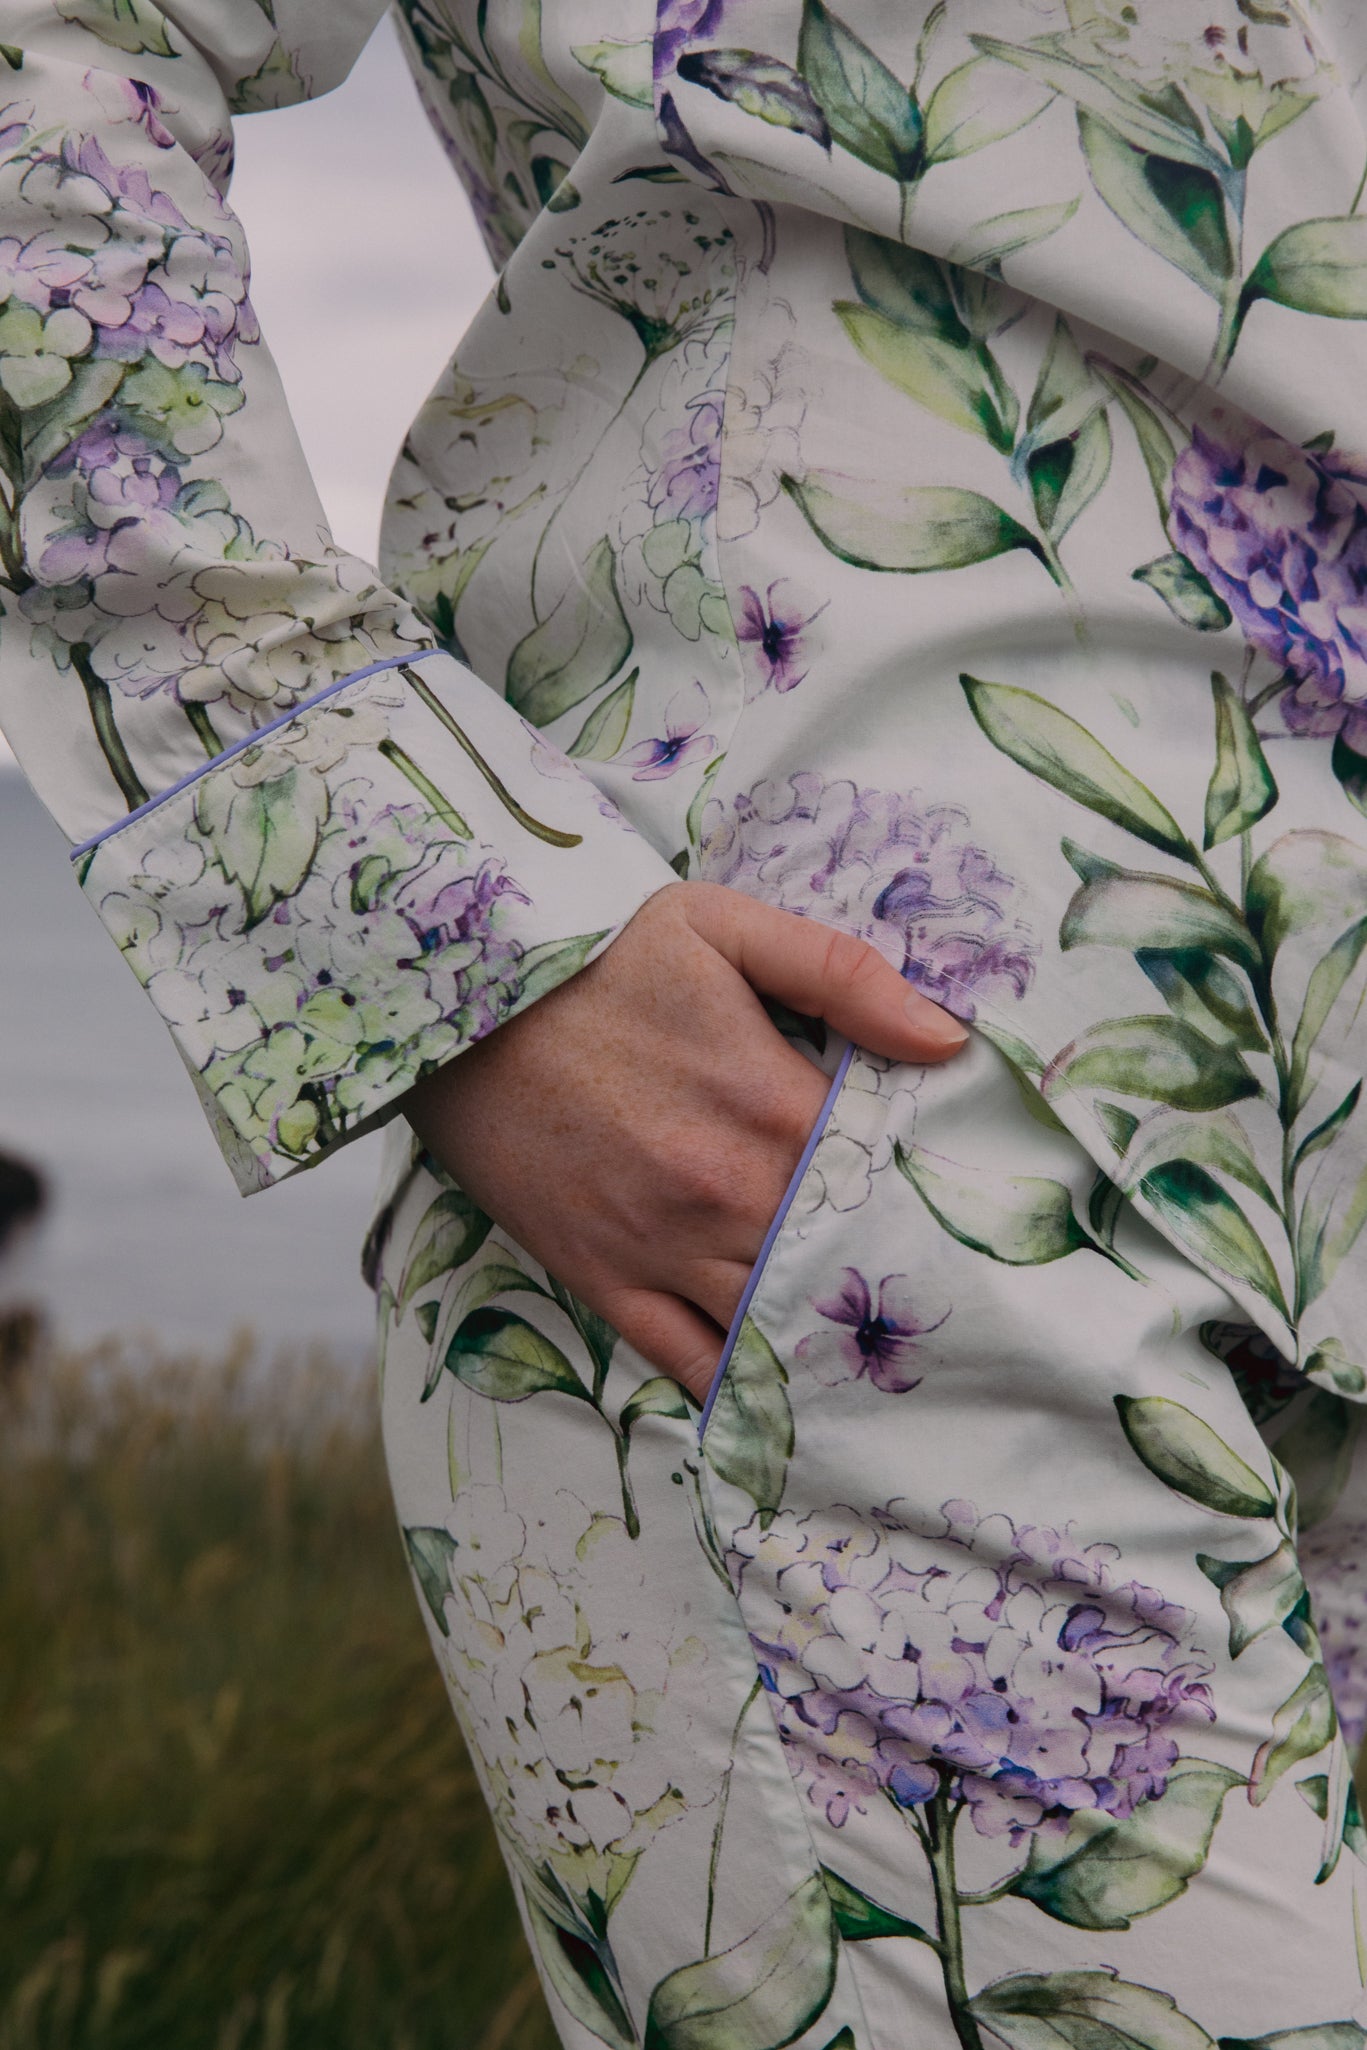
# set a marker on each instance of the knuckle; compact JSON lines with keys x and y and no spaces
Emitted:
{"x":848,"y":962}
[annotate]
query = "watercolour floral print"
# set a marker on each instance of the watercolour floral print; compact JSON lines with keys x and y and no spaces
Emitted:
{"x":911,"y":468}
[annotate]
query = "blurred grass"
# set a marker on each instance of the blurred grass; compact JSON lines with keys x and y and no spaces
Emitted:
{"x":235,"y":1813}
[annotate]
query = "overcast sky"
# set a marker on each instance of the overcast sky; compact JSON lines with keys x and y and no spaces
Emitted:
{"x":356,"y":178}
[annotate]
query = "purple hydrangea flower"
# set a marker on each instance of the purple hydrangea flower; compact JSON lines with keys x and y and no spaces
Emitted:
{"x":681,"y":22}
{"x":881,"y":1343}
{"x":1003,"y":1663}
{"x":686,"y":485}
{"x":1331,"y":1558}
{"x":890,"y":867}
{"x":1281,"y":535}
{"x":772,"y":627}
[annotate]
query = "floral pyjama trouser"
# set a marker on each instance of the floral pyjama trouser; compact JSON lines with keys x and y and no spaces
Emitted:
{"x":958,"y":1683}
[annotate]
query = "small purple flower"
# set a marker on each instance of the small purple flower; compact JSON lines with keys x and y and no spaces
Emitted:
{"x":684,"y":740}
{"x":1281,"y":535}
{"x":774,"y":627}
{"x":881,"y":1344}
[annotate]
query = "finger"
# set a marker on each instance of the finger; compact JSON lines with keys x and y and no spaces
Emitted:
{"x":715,"y":1286}
{"x":827,"y":974}
{"x":669,"y":1333}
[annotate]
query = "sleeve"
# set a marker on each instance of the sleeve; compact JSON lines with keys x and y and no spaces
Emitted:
{"x":331,"y":855}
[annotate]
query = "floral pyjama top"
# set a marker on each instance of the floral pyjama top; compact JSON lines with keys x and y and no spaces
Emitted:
{"x":912,"y":467}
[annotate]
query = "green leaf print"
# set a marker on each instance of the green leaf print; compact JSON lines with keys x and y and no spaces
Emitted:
{"x":1185,"y":591}
{"x":906,"y":285}
{"x":1317,"y":1449}
{"x":1202,"y":992}
{"x":1328,"y":1129}
{"x":1331,"y":1223}
{"x":761,"y":1994}
{"x":496,"y":1277}
{"x":1154,"y":914}
{"x":844,"y":2041}
{"x":451,"y":1232}
{"x":501,"y":1355}
{"x":959,"y":385}
{"x":659,"y":1396}
{"x":763,"y":87}
{"x":544,"y":968}
{"x":1191,"y":1203}
{"x":430,"y":1552}
{"x":1054,"y":747}
{"x":1215,"y":1139}
{"x":1314,"y":267}
{"x":1065,"y":476}
{"x":1325,"y":987}
{"x":1176,"y":208}
{"x":603,"y":734}
{"x":859,"y":1919}
{"x":1255,"y":1594}
{"x":1306,"y":882}
{"x":749,"y":1437}
{"x":1242,"y":788}
{"x":1325,"y":2036}
{"x":264,"y":836}
{"x":990,"y":242}
{"x":1129,"y":114}
{"x":1103,"y":1874}
{"x":877,"y":523}
{"x":1156,"y":1057}
{"x":976,"y":104}
{"x":134,"y":26}
{"x":1021,"y":1220}
{"x":578,"y":1975}
{"x":1350,"y":768}
{"x":1084,"y":2011}
{"x":1183,"y":1452}
{"x":576,"y":648}
{"x":1330,"y":1362}
{"x":869,"y":112}
{"x":1301,"y":1728}
{"x":623,"y":68}
{"x":1066,"y":393}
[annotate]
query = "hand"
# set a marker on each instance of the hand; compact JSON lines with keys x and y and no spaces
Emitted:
{"x":635,"y":1130}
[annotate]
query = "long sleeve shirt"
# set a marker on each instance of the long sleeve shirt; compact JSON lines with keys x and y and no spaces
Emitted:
{"x":909,"y":468}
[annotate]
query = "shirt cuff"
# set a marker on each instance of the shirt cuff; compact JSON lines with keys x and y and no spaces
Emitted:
{"x":352,"y":895}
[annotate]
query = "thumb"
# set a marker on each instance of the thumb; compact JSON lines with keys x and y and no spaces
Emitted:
{"x":825,"y":973}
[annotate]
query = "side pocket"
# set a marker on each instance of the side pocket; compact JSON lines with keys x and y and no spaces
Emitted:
{"x":771,"y":1237}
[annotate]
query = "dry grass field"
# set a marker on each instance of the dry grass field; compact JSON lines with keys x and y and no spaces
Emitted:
{"x":235,"y":1813}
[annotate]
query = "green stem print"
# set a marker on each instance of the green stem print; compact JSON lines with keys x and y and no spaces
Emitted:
{"x":425,"y":788}
{"x":1256,"y":977}
{"x":204,"y":729}
{"x":101,"y":704}
{"x":941,"y":1817}
{"x":550,"y":834}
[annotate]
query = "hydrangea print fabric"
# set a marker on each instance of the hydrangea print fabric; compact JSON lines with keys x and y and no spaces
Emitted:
{"x":912,"y":469}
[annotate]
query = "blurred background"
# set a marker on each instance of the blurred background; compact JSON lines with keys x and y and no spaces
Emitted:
{"x":234,"y":1810}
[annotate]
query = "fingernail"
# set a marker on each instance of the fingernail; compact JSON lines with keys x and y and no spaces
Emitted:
{"x":934,"y":1024}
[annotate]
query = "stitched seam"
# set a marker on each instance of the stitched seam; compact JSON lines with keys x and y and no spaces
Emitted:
{"x":252,"y":739}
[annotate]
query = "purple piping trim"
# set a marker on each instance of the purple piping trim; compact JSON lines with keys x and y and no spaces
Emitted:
{"x":757,"y":1271}
{"x":248,"y":740}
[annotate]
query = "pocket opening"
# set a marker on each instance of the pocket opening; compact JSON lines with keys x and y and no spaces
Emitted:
{"x":756,"y":1274}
